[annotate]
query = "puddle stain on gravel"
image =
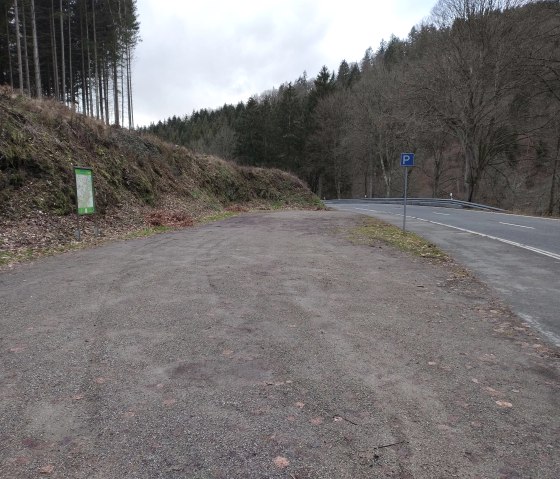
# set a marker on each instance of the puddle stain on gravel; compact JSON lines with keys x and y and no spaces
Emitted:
{"x":253,"y":371}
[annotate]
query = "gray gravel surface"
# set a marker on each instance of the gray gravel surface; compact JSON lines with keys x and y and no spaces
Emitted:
{"x":268,"y":346}
{"x":529,"y":282}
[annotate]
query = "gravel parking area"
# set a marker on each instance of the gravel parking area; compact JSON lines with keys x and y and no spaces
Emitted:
{"x":268,"y":346}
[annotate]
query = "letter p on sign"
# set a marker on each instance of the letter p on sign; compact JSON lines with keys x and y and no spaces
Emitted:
{"x":407,"y":159}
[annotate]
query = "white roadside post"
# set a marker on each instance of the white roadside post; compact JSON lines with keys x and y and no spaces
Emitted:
{"x":407,"y":160}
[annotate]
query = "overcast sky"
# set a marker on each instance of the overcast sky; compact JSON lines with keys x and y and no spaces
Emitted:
{"x":202,"y":54}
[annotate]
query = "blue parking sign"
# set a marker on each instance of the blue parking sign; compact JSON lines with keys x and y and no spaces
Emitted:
{"x":407,"y":159}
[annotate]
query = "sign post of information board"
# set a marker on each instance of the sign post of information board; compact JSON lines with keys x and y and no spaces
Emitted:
{"x":84,"y":194}
{"x":407,"y":160}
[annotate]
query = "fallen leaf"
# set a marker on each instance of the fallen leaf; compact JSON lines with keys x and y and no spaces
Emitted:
{"x":281,"y":462}
{"x":291,"y":418}
{"x":78,"y":397}
{"x":504,"y":404}
{"x":169,"y":402}
{"x":431,"y":363}
{"x":474,"y":380}
{"x":159,"y":386}
{"x":227,"y":352}
{"x":337,"y":419}
{"x":316,"y":421}
{"x":17,"y":349}
{"x":300,"y":405}
{"x":129,"y":414}
{"x":100,"y":380}
{"x":492,"y":391}
{"x":49,"y":469}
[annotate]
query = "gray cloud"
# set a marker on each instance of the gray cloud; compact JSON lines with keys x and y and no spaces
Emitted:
{"x":194,"y":57}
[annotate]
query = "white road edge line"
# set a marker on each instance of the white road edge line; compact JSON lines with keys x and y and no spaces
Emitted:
{"x":539,"y":327}
{"x":519,"y":226}
{"x":366,"y":209}
{"x":442,"y":214}
{"x":503,"y":240}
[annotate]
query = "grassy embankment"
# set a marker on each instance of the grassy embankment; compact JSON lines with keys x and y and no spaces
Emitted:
{"x":143,"y":185}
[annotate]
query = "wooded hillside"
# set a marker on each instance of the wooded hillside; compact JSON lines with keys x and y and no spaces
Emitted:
{"x":474,"y":92}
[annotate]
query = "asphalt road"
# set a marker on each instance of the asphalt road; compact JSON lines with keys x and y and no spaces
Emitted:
{"x":517,"y":255}
{"x":268,"y":346}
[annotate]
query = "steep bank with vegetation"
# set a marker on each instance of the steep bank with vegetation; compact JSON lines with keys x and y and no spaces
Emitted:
{"x":140,"y":181}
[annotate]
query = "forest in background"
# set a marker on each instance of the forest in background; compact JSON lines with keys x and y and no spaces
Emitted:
{"x":77,"y":51}
{"x":474,"y":91}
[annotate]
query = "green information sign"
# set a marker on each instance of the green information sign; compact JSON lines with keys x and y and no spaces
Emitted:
{"x":84,"y":191}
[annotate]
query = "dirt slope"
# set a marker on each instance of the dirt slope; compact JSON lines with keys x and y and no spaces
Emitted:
{"x":137,"y":178}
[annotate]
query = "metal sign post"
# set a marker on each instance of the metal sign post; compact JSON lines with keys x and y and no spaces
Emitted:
{"x":407,"y":160}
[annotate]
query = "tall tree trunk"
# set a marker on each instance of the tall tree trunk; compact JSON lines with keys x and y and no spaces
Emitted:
{"x":119,"y":66}
{"x":38,"y":86}
{"x":97,"y":73}
{"x":89,"y":77}
{"x":116,"y":91}
{"x":54,"y":55}
{"x":25,"y":51}
{"x":370,"y":170}
{"x":100,"y":100}
{"x":122,"y":91}
{"x":8,"y":49}
{"x":438,"y":162}
{"x":62,"y":59}
{"x":106,"y":85}
{"x":70,"y":67}
{"x":18,"y":46}
{"x":85,"y":108}
{"x":85,"y":101}
{"x":386,"y":178}
{"x":129,"y":89}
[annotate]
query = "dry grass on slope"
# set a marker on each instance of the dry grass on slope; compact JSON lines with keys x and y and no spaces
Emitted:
{"x":141,"y":182}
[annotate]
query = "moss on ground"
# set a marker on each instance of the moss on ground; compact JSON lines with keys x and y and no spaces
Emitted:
{"x":373,"y":231}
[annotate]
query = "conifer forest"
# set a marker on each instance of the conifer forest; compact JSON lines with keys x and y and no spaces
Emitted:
{"x":77,"y":51}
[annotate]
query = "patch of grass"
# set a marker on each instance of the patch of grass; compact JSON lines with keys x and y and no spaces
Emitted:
{"x":9,"y":257}
{"x":373,"y":231}
{"x":217,"y":217}
{"x":28,"y":254}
